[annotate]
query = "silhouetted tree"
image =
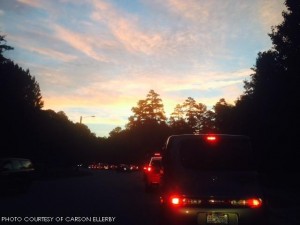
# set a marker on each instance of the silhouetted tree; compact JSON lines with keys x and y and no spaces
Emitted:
{"x":115,"y":132}
{"x":177,"y":121}
{"x":147,"y":129}
{"x":3,"y":47}
{"x":191,"y":112}
{"x":149,"y":110}
{"x":190,"y":117}
{"x":223,"y":116}
{"x":268,"y":104}
{"x":45,"y":136}
{"x":20,"y":100}
{"x":19,"y":89}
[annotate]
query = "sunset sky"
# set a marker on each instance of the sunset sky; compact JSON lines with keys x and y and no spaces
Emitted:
{"x":100,"y":57}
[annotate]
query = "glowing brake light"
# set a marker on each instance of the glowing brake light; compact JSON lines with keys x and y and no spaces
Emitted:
{"x":252,"y":203}
{"x":211,"y":138}
{"x":149,"y":168}
{"x":175,"y":201}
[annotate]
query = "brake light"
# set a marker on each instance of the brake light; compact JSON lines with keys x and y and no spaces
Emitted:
{"x":175,"y":200}
{"x":211,"y":138}
{"x":252,"y":202}
{"x":182,"y":200}
{"x":149,"y":168}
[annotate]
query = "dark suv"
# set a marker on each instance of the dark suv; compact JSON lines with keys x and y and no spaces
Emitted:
{"x":210,"y":179}
{"x":16,"y":174}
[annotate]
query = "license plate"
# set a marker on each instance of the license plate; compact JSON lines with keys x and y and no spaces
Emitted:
{"x":217,"y":218}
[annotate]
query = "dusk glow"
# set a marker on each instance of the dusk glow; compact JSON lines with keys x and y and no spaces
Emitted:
{"x":99,"y":58}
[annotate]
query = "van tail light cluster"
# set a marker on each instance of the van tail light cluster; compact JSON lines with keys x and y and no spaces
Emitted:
{"x":176,"y":200}
{"x":252,"y":202}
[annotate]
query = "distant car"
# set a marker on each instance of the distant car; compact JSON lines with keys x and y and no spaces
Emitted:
{"x":123,"y":168}
{"x":16,"y":174}
{"x":134,"y":168}
{"x":152,"y":173}
{"x":210,"y":179}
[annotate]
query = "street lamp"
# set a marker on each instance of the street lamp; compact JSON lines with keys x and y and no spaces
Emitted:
{"x":84,"y":117}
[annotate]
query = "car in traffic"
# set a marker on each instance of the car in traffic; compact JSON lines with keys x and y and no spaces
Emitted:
{"x":16,"y":174}
{"x":123,"y":168}
{"x":210,"y":179}
{"x":152,"y":172}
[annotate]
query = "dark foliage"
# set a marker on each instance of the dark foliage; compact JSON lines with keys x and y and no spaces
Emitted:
{"x":268,"y":108}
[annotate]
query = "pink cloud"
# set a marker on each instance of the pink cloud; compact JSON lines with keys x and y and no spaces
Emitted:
{"x":126,"y":30}
{"x":80,"y":42}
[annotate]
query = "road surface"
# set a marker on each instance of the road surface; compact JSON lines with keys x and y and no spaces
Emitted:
{"x":102,"y":197}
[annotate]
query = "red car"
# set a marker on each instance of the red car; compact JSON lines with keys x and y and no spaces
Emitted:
{"x":152,"y":173}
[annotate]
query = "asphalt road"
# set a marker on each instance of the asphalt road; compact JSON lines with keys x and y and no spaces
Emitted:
{"x":106,"y":197}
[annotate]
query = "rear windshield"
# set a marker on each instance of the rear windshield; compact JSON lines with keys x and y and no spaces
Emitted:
{"x":156,"y":163}
{"x":222,"y":154}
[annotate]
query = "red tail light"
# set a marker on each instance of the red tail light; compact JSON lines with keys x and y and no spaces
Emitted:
{"x":252,"y":202}
{"x":149,"y":168}
{"x":178,"y":200}
{"x":175,"y":200}
{"x":211,"y":138}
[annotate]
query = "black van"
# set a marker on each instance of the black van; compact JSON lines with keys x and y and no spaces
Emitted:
{"x":210,"y":179}
{"x":16,"y":174}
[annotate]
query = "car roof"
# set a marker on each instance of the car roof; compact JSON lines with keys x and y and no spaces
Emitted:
{"x":179,"y":137}
{"x":156,"y":158}
{"x":203,"y":135}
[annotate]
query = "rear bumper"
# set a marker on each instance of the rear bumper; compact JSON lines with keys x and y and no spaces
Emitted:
{"x":154,"y":179}
{"x":198,"y":216}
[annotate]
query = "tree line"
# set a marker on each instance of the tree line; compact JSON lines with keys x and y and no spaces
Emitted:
{"x":266,"y":111}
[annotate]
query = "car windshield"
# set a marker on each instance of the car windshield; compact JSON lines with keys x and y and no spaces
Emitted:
{"x":222,"y":154}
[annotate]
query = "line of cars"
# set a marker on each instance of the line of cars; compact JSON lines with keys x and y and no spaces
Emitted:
{"x":207,"y":179}
{"x":117,"y":167}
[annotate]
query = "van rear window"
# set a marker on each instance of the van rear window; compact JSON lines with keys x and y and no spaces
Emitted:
{"x":223,"y":154}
